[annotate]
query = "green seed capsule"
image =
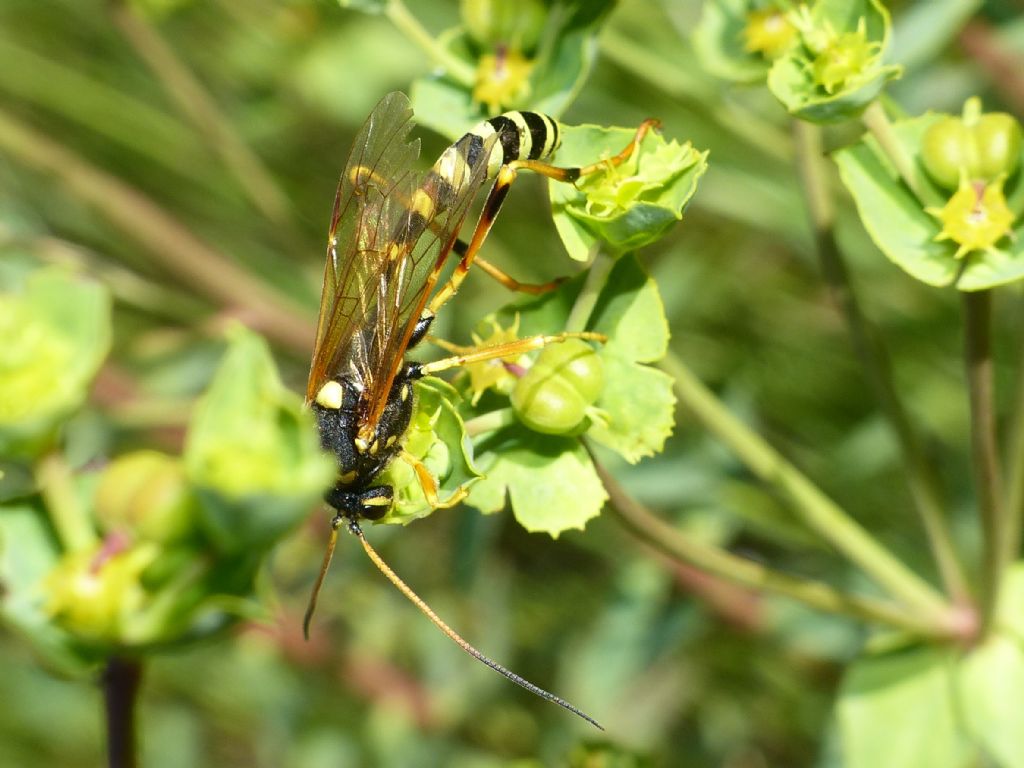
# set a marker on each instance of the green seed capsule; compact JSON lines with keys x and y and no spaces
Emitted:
{"x":145,"y":494}
{"x":982,"y":147}
{"x":515,"y":24}
{"x":554,"y":395}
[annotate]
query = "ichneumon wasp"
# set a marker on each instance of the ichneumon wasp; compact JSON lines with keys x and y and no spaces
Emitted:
{"x":392,"y":231}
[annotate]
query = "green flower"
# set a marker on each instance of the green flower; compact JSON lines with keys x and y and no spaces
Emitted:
{"x":94,"y":594}
{"x":843,"y":57}
{"x":768,"y":32}
{"x":976,"y":217}
{"x":838,"y":66}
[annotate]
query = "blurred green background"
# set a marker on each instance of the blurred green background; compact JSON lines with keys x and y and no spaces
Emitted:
{"x":683,"y":670}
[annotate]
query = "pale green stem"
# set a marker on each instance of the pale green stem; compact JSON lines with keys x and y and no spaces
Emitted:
{"x":984,"y":445}
{"x":881,"y":128}
{"x":69,"y":518}
{"x":601,"y":266}
{"x":874,"y":359}
{"x":1015,"y":465}
{"x":410,"y":26}
{"x":738,"y":570}
{"x":490,"y":422}
{"x":175,"y":246}
{"x":816,"y":510}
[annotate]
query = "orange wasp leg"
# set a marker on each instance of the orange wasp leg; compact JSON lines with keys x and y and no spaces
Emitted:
{"x":429,"y":484}
{"x":496,"y":197}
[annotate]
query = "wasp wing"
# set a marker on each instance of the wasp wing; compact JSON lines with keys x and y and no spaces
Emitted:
{"x":383,"y":256}
{"x":380,"y":158}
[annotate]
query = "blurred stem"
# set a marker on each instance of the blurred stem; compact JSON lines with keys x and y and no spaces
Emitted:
{"x":877,"y":122}
{"x":641,"y":62}
{"x":121,"y":679}
{"x":874,"y":359}
{"x":202,"y":110}
{"x":748,"y":573}
{"x":410,"y":26}
{"x":489,"y":422}
{"x":984,"y":450}
{"x":126,"y":285}
{"x":69,"y":518}
{"x":47,"y":83}
{"x":179,"y":251}
{"x":813,"y":507}
{"x":601,"y":266}
{"x":1015,"y":463}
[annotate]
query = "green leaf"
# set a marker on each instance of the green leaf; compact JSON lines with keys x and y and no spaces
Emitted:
{"x":898,"y":224}
{"x":796,"y":80}
{"x":628,"y":207}
{"x":991,"y":681}
{"x":550,"y":481}
{"x":897,"y":710}
{"x":56,"y":334}
{"x":638,"y":401}
{"x":637,"y":406}
{"x":252,"y":450}
{"x":718,"y":42}
{"x":437,"y":437}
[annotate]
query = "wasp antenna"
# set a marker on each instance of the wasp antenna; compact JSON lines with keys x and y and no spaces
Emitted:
{"x":416,"y":600}
{"x":328,"y":556}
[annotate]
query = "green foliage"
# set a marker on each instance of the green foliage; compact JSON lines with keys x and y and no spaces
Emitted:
{"x":909,"y":234}
{"x":909,"y":686}
{"x":725,"y":38}
{"x":251,"y":454}
{"x":627,"y":207}
{"x":632,"y":414}
{"x":546,"y":78}
{"x":838,"y":68}
{"x":181,"y":154}
{"x":56,"y":332}
{"x":437,"y":437}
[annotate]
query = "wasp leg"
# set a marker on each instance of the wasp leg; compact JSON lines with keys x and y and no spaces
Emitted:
{"x":429,"y":484}
{"x":508,"y":349}
{"x":506,"y":176}
{"x":534,"y":289}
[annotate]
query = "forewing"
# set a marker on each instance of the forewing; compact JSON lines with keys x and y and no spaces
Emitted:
{"x":379,"y":169}
{"x":406,"y":283}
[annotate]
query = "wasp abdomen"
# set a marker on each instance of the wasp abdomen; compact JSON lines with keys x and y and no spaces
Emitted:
{"x":519,"y":136}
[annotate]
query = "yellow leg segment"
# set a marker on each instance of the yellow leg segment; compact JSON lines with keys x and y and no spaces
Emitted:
{"x":509,"y":349}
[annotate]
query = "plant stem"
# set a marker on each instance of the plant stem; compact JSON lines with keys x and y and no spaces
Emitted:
{"x":181,"y":252}
{"x":69,"y":518}
{"x":748,"y":573}
{"x":984,"y":450}
{"x":601,"y":266}
{"x":874,"y":359}
{"x":1015,"y":464}
{"x":816,"y":510}
{"x":121,"y":679}
{"x":489,"y":422}
{"x":878,"y":124}
{"x":410,"y":26}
